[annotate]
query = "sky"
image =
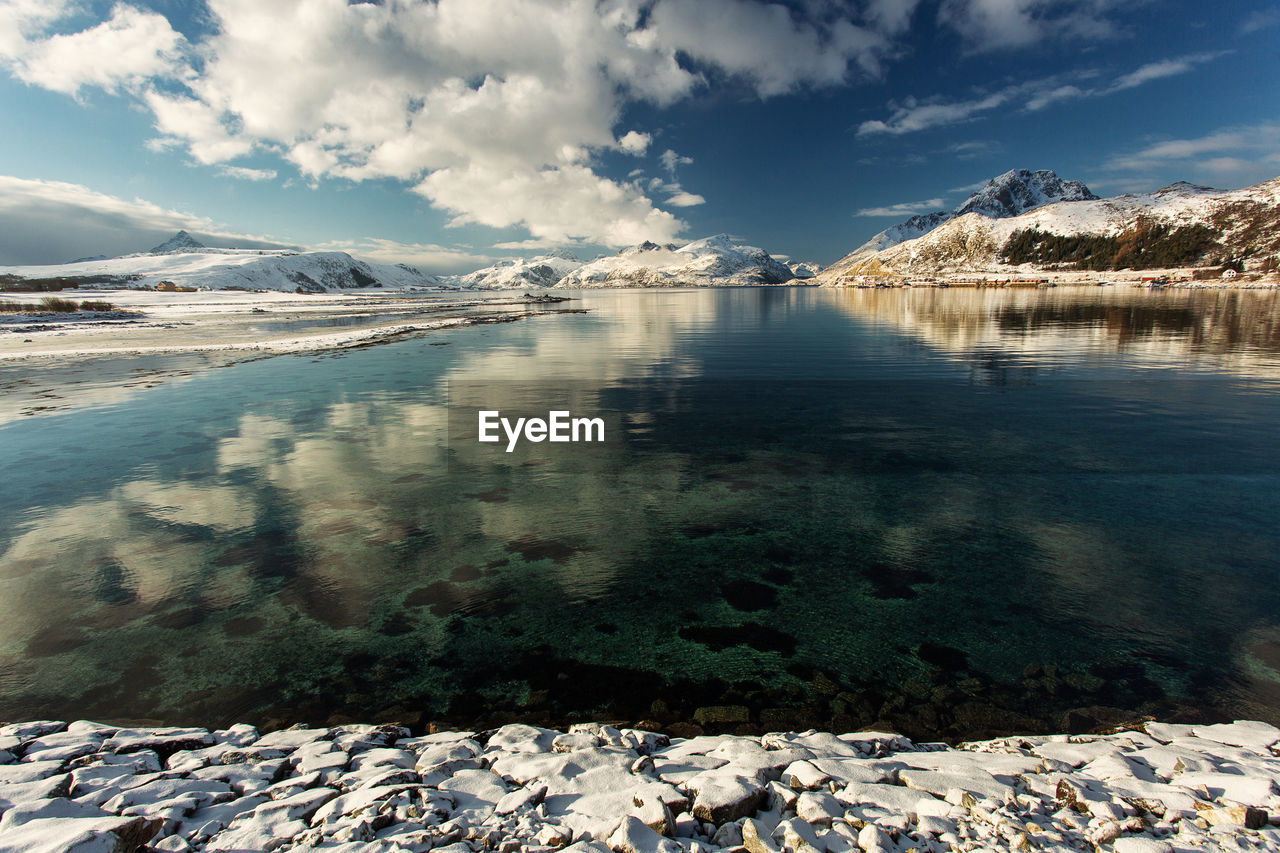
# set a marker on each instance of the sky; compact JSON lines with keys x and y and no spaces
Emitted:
{"x":453,"y":133}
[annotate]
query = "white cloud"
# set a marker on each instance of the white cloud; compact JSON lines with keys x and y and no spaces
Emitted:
{"x":671,"y":161}
{"x":912,"y":115}
{"x":494,"y":110}
{"x":246,"y":174}
{"x":429,"y":257}
{"x":1000,"y":24}
{"x":46,"y":222}
{"x":903,"y":209}
{"x":634,"y":142}
{"x":121,"y":52}
{"x":686,"y":199}
{"x":1261,"y":139}
{"x":1235,"y":155}
{"x":1260,"y":20}
{"x":1161,"y":69}
{"x":1042,"y":99}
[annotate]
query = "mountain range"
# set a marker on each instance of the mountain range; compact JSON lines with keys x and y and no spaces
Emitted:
{"x":1022,"y":223}
{"x":1027,"y":223}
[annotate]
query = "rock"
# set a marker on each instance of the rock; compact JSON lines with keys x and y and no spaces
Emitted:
{"x":729,"y":835}
{"x":655,"y":814}
{"x":721,"y":715}
{"x":1234,"y":815}
{"x":873,"y":839}
{"x":757,"y":838}
{"x":1136,"y":844}
{"x":818,"y":808}
{"x":803,"y":775}
{"x":797,"y":836}
{"x":520,"y":799}
{"x":721,"y":797}
{"x":632,"y":836}
{"x":163,"y":742}
{"x":79,"y":835}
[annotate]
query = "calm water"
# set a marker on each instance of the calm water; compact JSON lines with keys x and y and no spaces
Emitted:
{"x":954,"y":512}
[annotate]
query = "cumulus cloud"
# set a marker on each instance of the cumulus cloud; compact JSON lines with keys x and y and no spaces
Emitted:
{"x":494,"y":110}
{"x":124,"y":51}
{"x":47,"y":222}
{"x":906,"y":208}
{"x":634,"y":142}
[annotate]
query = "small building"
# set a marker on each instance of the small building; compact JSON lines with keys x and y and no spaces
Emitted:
{"x":1229,"y":274}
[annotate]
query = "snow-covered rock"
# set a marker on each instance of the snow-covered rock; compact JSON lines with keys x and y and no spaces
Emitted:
{"x":602,"y":788}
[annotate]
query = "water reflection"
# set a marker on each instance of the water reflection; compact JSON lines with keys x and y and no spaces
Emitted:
{"x":330,"y":543}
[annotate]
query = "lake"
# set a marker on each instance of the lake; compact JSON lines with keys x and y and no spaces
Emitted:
{"x":955,"y":512}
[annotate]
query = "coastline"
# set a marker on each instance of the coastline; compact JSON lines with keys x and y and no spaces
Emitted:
{"x":148,"y":323}
{"x":595,"y":788}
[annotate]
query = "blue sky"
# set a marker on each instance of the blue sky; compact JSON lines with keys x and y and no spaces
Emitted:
{"x":453,"y":133}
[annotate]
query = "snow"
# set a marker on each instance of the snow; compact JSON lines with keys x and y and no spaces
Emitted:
{"x":969,"y":242}
{"x":250,"y":269}
{"x":1010,"y":194}
{"x":542,"y":271}
{"x":711,"y":261}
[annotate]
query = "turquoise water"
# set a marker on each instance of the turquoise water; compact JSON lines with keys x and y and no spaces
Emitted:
{"x":956,"y":512}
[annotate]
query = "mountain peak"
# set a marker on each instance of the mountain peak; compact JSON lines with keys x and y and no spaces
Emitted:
{"x":181,"y":240}
{"x":1019,"y":190}
{"x":1010,"y":194}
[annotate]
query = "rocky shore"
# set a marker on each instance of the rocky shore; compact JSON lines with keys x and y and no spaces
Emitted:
{"x":92,"y":787}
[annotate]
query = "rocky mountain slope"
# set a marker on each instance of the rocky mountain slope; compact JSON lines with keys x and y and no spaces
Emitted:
{"x":1010,"y":194}
{"x":542,"y":271}
{"x":712,"y":261}
{"x":1178,"y":226}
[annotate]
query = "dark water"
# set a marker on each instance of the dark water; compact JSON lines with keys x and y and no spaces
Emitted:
{"x":955,"y":513}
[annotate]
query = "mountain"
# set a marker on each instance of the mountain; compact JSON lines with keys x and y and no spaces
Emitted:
{"x":245,"y":269}
{"x":1179,"y":226}
{"x":1013,"y":193}
{"x":543,"y":271}
{"x":182,"y":241}
{"x":803,"y":269}
{"x":712,"y":261}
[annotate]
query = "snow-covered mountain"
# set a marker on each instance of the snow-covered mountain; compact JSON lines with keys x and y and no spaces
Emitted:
{"x":180,"y":242}
{"x":1241,"y":223}
{"x":1013,"y":193}
{"x":542,"y":271}
{"x":712,"y":261}
{"x":803,"y":269}
{"x":220,"y":269}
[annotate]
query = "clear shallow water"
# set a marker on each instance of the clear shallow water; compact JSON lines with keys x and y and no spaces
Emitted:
{"x":957,"y":512}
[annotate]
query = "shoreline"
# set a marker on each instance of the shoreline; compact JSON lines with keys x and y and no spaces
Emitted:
{"x":596,"y":788}
{"x":151,"y":323}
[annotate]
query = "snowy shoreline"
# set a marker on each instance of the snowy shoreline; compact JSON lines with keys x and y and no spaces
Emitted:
{"x":259,"y":323}
{"x":89,"y":786}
